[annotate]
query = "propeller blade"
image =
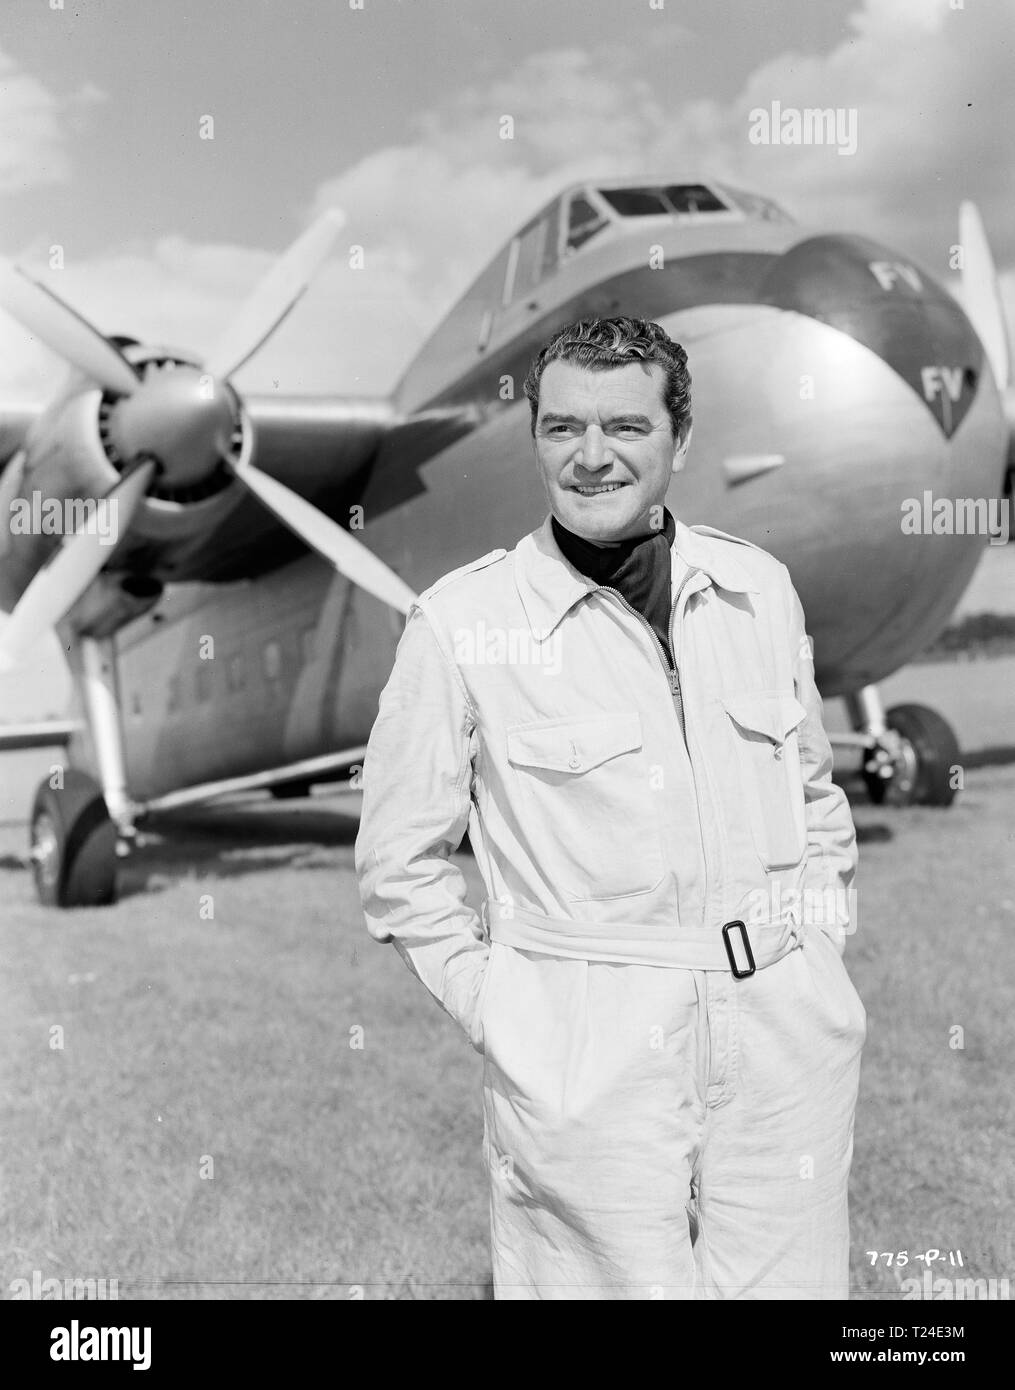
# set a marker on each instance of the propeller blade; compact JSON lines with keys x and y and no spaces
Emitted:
{"x":348,"y":555}
{"x":67,"y":574}
{"x":981,"y":297}
{"x":63,"y":329}
{"x":276,"y":294}
{"x":13,"y":474}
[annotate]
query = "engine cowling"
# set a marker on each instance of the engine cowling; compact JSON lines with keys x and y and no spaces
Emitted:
{"x":190,"y":425}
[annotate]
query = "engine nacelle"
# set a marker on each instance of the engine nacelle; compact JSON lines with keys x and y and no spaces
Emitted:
{"x":78,"y":448}
{"x":62,"y":461}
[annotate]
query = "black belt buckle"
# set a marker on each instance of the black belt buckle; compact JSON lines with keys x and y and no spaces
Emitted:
{"x":739,"y":974}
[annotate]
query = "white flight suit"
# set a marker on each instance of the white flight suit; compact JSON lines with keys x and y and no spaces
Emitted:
{"x":660,"y":1122}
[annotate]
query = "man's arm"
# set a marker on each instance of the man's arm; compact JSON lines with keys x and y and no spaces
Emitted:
{"x":831,"y":838}
{"x":416,"y":797}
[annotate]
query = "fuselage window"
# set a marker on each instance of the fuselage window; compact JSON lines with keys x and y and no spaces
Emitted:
{"x":526,"y":261}
{"x":272,"y":660}
{"x":235,"y":672}
{"x":485,"y":329}
{"x":202,"y":681}
{"x":529,"y":270}
{"x":550,"y":245}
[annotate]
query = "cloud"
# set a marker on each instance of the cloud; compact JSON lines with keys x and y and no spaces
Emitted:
{"x":32,"y":128}
{"x":929,"y":83}
{"x":935,"y":107}
{"x":431,"y":211}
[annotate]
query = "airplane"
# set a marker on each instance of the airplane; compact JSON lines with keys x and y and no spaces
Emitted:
{"x":238,"y":632}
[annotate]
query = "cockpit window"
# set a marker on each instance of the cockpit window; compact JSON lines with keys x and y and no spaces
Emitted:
{"x":756,"y":206}
{"x":583,"y":221}
{"x":664,"y":201}
{"x":693,"y":197}
{"x":585,"y":218}
{"x":636,"y":202}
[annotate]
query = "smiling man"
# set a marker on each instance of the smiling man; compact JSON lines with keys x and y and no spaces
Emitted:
{"x":671,"y":1042}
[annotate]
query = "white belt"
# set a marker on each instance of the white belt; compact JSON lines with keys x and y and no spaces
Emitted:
{"x":735,"y":948}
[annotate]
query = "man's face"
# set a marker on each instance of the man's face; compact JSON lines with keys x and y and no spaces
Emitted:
{"x":605,"y":447}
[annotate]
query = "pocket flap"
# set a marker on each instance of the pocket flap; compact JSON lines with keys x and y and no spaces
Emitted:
{"x":771,"y":713}
{"x":574,"y":745}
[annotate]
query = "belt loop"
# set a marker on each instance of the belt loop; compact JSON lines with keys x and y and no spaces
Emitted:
{"x":737,"y":973}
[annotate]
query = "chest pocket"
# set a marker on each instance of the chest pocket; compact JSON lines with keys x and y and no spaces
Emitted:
{"x":586,"y":804}
{"x":763,"y":731}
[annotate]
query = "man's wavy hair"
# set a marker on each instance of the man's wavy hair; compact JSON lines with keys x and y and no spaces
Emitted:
{"x":600,"y":344}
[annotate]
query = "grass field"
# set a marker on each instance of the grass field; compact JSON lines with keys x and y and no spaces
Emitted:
{"x":186,"y":1038}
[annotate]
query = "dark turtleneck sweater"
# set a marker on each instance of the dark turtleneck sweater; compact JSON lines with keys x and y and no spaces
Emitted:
{"x":639,"y":569}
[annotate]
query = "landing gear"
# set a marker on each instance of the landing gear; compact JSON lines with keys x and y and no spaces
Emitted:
{"x":73,"y":844}
{"x":82,"y":827}
{"x":922,"y":772}
{"x":910,"y":753}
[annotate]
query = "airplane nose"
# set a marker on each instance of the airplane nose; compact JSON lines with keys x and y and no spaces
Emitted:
{"x":883,"y":301}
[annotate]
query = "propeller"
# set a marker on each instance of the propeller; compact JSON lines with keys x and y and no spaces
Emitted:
{"x":63,"y":329}
{"x":70,"y":569}
{"x":275,"y":296}
{"x":348,"y":555}
{"x":171,"y":419}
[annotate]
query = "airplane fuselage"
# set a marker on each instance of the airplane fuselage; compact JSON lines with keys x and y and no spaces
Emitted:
{"x":833,"y":382}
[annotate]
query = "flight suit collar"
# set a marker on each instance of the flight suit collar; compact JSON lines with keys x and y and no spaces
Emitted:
{"x":549,"y":586}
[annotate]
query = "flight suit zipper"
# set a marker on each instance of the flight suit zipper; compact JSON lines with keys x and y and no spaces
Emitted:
{"x":672,"y":673}
{"x":673,"y":679}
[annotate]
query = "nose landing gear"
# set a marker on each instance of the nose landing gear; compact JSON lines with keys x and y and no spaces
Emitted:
{"x":911,"y":755}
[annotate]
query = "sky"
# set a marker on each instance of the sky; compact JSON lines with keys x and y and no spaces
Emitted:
{"x":392,"y":111}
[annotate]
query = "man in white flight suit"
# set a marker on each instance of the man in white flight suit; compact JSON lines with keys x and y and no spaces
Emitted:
{"x":622,"y":712}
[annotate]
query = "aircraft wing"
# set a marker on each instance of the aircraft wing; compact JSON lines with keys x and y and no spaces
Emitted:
{"x":322,"y":447}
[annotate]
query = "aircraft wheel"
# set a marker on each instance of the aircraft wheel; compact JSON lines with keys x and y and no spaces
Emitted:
{"x":73,"y":844}
{"x":922,"y":774}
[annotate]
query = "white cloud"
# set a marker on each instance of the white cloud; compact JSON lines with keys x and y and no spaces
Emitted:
{"x":32,"y":128}
{"x":935,"y":108}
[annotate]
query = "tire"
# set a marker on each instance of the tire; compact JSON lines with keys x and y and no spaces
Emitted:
{"x":73,"y":844}
{"x":937,"y":751}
